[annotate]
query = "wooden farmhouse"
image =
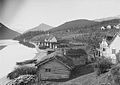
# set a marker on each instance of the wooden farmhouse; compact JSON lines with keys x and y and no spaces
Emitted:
{"x":78,"y":56}
{"x":103,"y":28}
{"x":54,"y":67}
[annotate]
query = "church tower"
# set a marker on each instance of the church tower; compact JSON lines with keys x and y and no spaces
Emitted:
{"x":103,"y":48}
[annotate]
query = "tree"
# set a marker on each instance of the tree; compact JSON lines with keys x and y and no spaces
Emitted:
{"x":103,"y":65}
{"x":115,"y":74}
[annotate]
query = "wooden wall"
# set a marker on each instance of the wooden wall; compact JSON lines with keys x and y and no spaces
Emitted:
{"x":57,"y":71}
{"x":79,"y":60}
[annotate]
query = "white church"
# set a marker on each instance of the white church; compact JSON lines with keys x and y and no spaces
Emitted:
{"x":110,"y":50}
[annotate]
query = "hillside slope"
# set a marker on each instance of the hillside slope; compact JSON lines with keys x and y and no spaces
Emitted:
{"x":6,"y":33}
{"x":74,"y":28}
{"x":75,"y":24}
{"x":90,"y":79}
{"x":78,"y":31}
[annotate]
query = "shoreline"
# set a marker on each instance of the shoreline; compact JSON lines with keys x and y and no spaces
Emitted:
{"x":1,"y":47}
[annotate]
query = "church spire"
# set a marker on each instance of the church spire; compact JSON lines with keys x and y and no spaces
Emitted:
{"x":104,"y":43}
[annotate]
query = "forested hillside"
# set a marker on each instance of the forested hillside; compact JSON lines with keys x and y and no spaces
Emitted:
{"x":6,"y":33}
{"x":78,"y":31}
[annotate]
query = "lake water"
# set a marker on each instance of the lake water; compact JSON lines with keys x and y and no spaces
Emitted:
{"x":11,"y":52}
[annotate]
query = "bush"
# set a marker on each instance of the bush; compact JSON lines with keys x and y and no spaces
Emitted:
{"x":24,"y":80}
{"x":27,"y":44}
{"x":22,"y":71}
{"x":103,"y":66}
{"x":28,"y":35}
{"x":115,"y":72}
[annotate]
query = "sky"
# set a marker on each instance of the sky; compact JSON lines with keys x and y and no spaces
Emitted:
{"x":21,"y":15}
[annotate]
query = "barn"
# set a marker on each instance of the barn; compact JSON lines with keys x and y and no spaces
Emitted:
{"x":55,"y":67}
{"x":78,"y":56}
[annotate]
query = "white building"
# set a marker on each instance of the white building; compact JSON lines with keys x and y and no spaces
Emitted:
{"x":47,"y":41}
{"x":109,"y":27}
{"x":103,"y":28}
{"x":110,"y":50}
{"x":117,"y":26}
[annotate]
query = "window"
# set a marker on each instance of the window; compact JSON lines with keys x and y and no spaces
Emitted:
{"x":103,"y":49}
{"x":109,"y":38}
{"x":113,"y":51}
{"x":47,"y":70}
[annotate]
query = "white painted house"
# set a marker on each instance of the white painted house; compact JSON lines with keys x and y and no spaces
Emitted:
{"x":110,"y":50}
{"x":47,"y":41}
{"x":53,"y":39}
{"x":103,"y":28}
{"x":117,"y":26}
{"x":109,"y":27}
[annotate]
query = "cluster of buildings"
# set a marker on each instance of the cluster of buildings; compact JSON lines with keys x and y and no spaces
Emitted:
{"x":55,"y":64}
{"x":110,"y":48}
{"x":47,"y":41}
{"x":59,"y":64}
{"x":110,"y":27}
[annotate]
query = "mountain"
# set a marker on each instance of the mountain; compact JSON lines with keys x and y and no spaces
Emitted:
{"x":41,"y":27}
{"x":83,"y":26}
{"x":75,"y":24}
{"x":6,"y":33}
{"x":108,"y":18}
{"x":75,"y":31}
{"x":33,"y":32}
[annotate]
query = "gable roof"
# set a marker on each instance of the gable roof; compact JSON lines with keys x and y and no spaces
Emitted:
{"x":56,"y":53}
{"x":43,"y":37}
{"x":59,"y":58}
{"x":48,"y":37}
{"x":114,"y":37}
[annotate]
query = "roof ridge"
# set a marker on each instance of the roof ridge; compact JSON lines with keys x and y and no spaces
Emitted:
{"x":63,"y":63}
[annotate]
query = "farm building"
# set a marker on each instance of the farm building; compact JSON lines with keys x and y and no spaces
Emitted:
{"x":78,"y":56}
{"x":54,"y":67}
{"x":46,"y":41}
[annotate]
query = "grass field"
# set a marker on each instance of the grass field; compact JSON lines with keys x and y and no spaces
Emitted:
{"x":89,"y":79}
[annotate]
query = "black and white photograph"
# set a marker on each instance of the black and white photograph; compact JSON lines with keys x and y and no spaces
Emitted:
{"x":59,"y":42}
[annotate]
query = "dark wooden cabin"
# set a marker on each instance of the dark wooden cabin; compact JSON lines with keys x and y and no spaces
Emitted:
{"x":56,"y":67}
{"x":78,"y":56}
